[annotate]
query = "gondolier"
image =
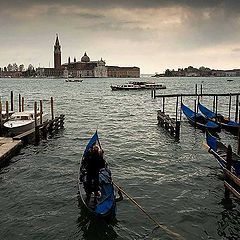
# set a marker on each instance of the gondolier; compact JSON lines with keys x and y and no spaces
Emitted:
{"x":93,"y":162}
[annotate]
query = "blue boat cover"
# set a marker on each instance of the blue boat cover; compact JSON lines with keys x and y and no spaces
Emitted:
{"x":107,"y":199}
{"x":211,"y":141}
{"x":205,"y":111}
{"x":91,"y":142}
{"x":232,"y":123}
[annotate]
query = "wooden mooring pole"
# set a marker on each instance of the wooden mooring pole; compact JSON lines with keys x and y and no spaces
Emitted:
{"x":163,"y":104}
{"x":52,"y":113}
{"x":12,"y":103}
{"x":22,"y":104}
{"x":19,"y":103}
{"x":237,"y":105}
{"x":7,"y":110}
{"x":229,"y":107}
{"x":37,"y":138}
{"x":41,"y":112}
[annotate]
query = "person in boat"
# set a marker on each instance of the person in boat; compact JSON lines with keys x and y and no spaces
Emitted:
{"x":93,"y":162}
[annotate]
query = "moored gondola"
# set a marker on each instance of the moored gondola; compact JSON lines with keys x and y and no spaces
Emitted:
{"x":198,"y":120}
{"x":226,"y":123}
{"x":228,"y":161}
{"x":104,"y":204}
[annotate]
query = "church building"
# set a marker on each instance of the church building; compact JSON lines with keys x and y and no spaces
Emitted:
{"x":84,"y":68}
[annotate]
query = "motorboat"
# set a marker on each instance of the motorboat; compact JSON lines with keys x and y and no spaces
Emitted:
{"x":73,"y":80}
{"x":20,"y":122}
{"x":138,"y":86}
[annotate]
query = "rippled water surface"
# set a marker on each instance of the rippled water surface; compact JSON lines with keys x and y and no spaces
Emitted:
{"x":178,"y":183}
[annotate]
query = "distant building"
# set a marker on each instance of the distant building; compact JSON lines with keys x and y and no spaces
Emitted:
{"x":85,"y":68}
{"x":123,"y":72}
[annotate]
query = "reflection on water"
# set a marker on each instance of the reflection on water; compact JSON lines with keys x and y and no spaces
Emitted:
{"x":93,"y":227}
{"x":176,"y":182}
{"x":229,"y":224}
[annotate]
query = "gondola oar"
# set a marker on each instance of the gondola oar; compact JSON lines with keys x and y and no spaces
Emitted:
{"x":163,"y":227}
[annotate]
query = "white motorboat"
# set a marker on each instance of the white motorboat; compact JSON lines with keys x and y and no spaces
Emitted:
{"x":138,"y":86}
{"x":20,"y":122}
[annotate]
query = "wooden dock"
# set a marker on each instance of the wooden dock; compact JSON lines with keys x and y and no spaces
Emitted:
{"x":172,"y":125}
{"x":169,"y":124}
{"x":8,"y":148}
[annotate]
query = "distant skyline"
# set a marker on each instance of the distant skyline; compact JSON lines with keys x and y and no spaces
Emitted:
{"x":152,"y":34}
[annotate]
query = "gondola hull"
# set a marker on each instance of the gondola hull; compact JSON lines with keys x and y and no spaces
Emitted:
{"x":199,"y":120}
{"x":232,"y":175}
{"x":228,"y":125}
{"x":104,"y":205}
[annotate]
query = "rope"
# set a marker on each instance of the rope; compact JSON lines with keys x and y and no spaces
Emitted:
{"x":163,"y":227}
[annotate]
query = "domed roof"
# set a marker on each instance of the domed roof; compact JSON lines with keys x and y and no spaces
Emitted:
{"x":85,"y":58}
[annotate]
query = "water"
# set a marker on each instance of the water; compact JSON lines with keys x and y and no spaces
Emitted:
{"x":178,"y":183}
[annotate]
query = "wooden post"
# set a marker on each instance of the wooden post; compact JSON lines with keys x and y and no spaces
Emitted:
{"x":176,"y":110}
{"x":213,"y":104}
{"x":201,"y":90}
{"x":237,"y":104}
{"x":41,"y":112}
{"x":177,"y":134}
{"x":181,"y":108}
{"x":216,"y":105}
{"x":229,"y":107}
{"x":12,"y":104}
{"x":35,"y":122}
{"x":163,"y":104}
{"x":22,"y":104}
{"x":19,"y":103}
{"x":52,"y":113}
{"x":228,"y":167}
{"x":197,"y":103}
{"x":7,"y":110}
{"x":195,"y":113}
{"x":152,"y":92}
{"x":195,"y":89}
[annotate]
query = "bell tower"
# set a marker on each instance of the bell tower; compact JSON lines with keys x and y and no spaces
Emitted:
{"x":57,"y":54}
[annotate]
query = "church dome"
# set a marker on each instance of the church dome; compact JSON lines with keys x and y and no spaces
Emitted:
{"x":85,"y":58}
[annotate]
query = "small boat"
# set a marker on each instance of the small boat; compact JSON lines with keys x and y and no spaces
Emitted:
{"x":226,"y":124}
{"x":20,"y":122}
{"x":136,"y":85}
{"x":73,"y":80}
{"x":105,"y":205}
{"x":232,"y":172}
{"x":198,"y":120}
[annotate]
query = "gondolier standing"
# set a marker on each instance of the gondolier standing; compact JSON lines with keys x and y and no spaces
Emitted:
{"x":93,"y":162}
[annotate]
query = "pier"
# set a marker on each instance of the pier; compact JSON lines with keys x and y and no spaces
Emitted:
{"x":172,"y":123}
{"x":11,"y":144}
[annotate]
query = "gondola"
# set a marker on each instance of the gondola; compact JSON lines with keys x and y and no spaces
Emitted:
{"x":103,"y":206}
{"x":226,"y":124}
{"x":231,"y":171}
{"x":198,"y":120}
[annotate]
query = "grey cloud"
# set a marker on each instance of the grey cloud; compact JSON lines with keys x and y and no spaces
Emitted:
{"x":228,"y":4}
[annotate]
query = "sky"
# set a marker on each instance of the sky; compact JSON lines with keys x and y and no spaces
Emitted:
{"x":154,"y":35}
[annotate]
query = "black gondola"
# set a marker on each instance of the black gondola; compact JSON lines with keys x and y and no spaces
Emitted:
{"x":226,"y":124}
{"x":104,"y":205}
{"x":232,"y":173}
{"x":198,"y":120}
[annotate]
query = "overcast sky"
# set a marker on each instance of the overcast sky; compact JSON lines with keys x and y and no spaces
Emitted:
{"x":151,"y":34}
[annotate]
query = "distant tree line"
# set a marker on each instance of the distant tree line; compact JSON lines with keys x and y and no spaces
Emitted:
{"x":30,"y":71}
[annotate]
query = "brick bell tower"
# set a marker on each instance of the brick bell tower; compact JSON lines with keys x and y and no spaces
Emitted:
{"x":57,"y":54}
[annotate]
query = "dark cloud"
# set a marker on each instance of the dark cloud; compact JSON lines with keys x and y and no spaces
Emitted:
{"x":228,"y":4}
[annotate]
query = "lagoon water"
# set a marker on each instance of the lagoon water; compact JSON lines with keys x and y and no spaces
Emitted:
{"x":178,"y":183}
